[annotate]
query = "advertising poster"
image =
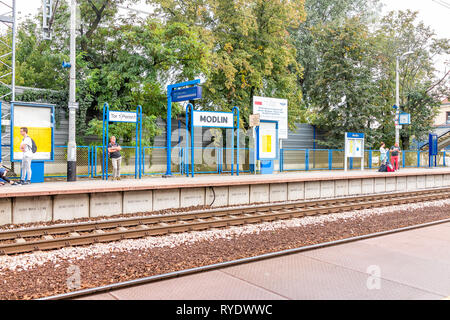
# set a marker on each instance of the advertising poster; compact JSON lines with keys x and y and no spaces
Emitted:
{"x":267,"y":141}
{"x":39,"y":121}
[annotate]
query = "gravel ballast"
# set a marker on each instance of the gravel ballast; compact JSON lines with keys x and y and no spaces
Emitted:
{"x":40,"y":274}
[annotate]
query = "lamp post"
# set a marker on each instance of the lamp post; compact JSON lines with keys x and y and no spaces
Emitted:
{"x":397,"y":96}
{"x":71,"y":145}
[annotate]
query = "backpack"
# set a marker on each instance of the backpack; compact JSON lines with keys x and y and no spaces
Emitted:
{"x":383,"y":168}
{"x":390,"y":168}
{"x":33,"y":146}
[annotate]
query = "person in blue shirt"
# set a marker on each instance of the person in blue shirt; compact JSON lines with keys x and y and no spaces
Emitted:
{"x":3,"y":177}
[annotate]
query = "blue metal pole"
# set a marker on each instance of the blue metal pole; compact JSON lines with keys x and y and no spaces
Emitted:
{"x":237,"y":126}
{"x":192,"y":140}
{"x":141,"y":164}
{"x":187,"y":141}
{"x":281,"y":159}
{"x":418,"y":159}
{"x":136,"y":147}
{"x":0,"y":131}
{"x":169,"y":131}
{"x":330,"y":159}
{"x":106,"y":140}
{"x":232,"y":150}
{"x":403,"y":158}
{"x":105,"y":124}
{"x":307,"y":159}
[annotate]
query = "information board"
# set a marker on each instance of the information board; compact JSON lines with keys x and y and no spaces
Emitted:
{"x":354,"y":147}
{"x":39,"y":121}
{"x":404,"y":119}
{"x":275,"y":110}
{"x":267,"y":133}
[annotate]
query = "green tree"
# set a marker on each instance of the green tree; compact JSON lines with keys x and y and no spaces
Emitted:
{"x":251,"y":50}
{"x":125,"y":61}
{"x":421,"y":87}
{"x":342,"y":93}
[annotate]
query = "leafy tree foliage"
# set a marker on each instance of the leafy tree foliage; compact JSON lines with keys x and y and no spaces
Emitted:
{"x":334,"y":60}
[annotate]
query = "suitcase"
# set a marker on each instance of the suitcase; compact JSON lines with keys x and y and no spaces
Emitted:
{"x":390,"y":168}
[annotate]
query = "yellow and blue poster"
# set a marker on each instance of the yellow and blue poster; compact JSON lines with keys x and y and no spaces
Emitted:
{"x":38,"y":119}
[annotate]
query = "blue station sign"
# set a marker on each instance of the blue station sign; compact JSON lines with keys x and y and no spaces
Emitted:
{"x":352,"y":135}
{"x":185,"y":94}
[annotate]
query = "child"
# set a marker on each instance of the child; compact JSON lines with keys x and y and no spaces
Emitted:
{"x":383,"y":153}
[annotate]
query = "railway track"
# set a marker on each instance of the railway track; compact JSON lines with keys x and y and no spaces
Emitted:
{"x":55,"y":237}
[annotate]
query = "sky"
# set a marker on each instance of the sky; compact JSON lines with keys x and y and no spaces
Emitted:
{"x":430,"y":12}
{"x":433,"y":14}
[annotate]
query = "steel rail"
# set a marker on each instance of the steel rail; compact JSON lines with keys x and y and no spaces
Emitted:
{"x":198,"y":220}
{"x":170,"y":275}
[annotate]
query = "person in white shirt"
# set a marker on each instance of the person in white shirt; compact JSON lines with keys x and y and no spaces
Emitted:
{"x":26,"y":147}
{"x":383,"y":153}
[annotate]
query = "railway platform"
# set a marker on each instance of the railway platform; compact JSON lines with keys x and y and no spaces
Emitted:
{"x":67,"y":201}
{"x":407,"y":265}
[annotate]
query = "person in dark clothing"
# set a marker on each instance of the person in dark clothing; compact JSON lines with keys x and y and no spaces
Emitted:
{"x":395,"y":154}
{"x":116,"y":157}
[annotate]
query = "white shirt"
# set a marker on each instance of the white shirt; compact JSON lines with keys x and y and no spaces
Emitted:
{"x":28,"y":144}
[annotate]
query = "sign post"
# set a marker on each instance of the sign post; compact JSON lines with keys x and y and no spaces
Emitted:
{"x":125,"y":117}
{"x":254,"y":121}
{"x":178,"y":95}
{"x":354,"y":148}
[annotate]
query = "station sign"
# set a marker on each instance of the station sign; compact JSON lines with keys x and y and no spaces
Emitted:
{"x":274,"y":110}
{"x":354,"y":145}
{"x":122,"y":116}
{"x":404,"y":119}
{"x":213,"y":119}
{"x":185,"y":94}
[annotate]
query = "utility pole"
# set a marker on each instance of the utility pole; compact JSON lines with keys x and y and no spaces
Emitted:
{"x":397,"y":96}
{"x":397,"y":102}
{"x":73,"y":106}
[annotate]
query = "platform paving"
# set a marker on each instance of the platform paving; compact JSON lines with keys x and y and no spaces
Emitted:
{"x":411,"y":265}
{"x":158,"y":183}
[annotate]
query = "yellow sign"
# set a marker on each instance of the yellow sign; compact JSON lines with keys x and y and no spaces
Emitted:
{"x":267,"y":143}
{"x":41,"y":136}
{"x":38,"y":119}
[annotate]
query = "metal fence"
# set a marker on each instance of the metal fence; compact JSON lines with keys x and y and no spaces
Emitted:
{"x":326,"y":159}
{"x":220,"y":160}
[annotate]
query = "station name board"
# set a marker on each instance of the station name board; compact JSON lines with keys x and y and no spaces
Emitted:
{"x":122,"y":116}
{"x":185,"y":94}
{"x":213,"y":119}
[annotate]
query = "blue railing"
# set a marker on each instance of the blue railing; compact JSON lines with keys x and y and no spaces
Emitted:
{"x":89,"y":160}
